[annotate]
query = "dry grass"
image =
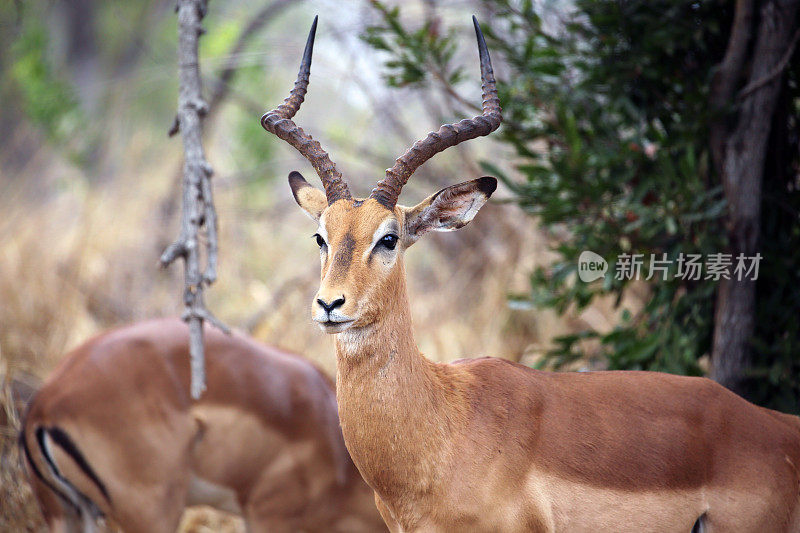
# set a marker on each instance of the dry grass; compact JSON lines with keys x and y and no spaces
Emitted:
{"x":18,"y":511}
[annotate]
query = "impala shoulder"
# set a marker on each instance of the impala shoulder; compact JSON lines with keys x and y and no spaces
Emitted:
{"x":497,"y":366}
{"x":500,"y":379}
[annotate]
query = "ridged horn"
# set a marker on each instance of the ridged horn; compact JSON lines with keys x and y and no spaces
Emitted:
{"x":278,"y":121}
{"x":388,"y":189}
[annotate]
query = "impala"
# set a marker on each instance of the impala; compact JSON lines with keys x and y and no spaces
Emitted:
{"x":490,"y":445}
{"x":114,"y":433}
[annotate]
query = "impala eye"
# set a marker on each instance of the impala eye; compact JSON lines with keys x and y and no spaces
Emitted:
{"x":389,"y":241}
{"x":320,"y":240}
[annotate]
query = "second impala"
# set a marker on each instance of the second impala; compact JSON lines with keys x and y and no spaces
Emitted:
{"x":113,"y":433}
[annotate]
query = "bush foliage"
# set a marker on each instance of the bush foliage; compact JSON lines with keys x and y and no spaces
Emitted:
{"x":607,"y":111}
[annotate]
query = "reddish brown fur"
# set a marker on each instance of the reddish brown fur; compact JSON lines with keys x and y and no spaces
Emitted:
{"x":490,"y":445}
{"x":266,"y":429}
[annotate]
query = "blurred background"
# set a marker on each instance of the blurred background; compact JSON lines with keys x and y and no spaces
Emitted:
{"x":630,"y":127}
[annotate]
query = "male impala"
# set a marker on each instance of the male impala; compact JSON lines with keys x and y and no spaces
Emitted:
{"x":115,"y":433}
{"x":490,"y":445}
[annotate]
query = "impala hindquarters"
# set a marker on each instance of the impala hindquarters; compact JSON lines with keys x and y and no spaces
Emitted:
{"x":114,"y":433}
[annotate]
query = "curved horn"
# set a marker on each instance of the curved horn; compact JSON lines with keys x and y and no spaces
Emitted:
{"x":388,"y":189}
{"x":278,"y":121}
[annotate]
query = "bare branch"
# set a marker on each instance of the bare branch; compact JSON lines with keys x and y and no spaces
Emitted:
{"x":199,"y":213}
{"x":204,"y":314}
{"x":774,"y":73}
{"x":222,"y":89}
{"x":175,"y":250}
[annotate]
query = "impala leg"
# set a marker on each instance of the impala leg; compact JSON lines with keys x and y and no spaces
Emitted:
{"x":153,"y":494}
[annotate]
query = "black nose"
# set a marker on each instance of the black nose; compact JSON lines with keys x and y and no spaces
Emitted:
{"x":328,"y":307}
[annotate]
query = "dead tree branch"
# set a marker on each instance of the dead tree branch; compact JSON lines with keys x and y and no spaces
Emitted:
{"x":199,"y":214}
{"x":222,"y":89}
{"x":775,"y":72}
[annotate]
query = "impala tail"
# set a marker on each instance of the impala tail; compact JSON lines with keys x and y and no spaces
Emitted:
{"x":66,"y":501}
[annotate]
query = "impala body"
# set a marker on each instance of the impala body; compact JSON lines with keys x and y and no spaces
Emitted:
{"x":490,"y":445}
{"x":114,"y":433}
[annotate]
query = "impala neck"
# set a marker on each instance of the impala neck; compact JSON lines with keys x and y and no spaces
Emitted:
{"x":387,"y":341}
{"x":397,"y":415}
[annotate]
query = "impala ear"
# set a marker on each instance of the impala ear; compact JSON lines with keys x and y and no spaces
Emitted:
{"x":449,"y":209}
{"x":311,"y":199}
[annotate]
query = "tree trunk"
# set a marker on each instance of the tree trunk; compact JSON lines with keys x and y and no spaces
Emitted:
{"x":739,"y":143}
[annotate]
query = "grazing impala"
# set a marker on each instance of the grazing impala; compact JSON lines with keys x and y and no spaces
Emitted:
{"x":114,"y":433}
{"x":490,"y":445}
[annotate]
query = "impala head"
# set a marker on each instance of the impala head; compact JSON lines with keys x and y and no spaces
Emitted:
{"x":362,"y":241}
